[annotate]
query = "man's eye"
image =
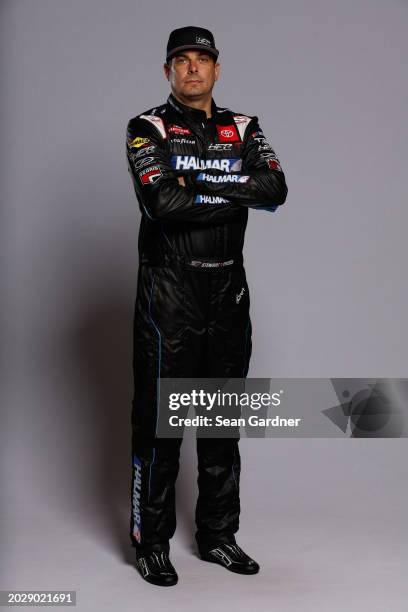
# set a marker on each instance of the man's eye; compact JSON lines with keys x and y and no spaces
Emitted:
{"x":204,"y":59}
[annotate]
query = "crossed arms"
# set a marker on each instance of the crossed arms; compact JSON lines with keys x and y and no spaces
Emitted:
{"x":261,"y":183}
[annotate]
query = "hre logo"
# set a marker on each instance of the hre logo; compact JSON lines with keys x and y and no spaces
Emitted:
{"x":202,"y":41}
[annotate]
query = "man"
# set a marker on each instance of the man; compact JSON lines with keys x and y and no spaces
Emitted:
{"x":196,"y":169}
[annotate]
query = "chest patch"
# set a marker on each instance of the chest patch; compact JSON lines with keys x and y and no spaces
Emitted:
{"x":177,"y":129}
{"x":227,"y":133}
{"x":191,"y":162}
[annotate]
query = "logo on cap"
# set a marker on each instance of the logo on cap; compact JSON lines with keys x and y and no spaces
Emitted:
{"x":202,"y":41}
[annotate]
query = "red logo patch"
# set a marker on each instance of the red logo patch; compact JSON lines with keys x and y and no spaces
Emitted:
{"x":150,"y":175}
{"x":227,"y":133}
{"x":177,"y":129}
{"x":273,"y":165}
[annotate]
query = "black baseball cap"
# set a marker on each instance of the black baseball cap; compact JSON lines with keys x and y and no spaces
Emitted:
{"x":190,"y":37}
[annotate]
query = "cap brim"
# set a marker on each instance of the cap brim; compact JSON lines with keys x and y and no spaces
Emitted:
{"x":174,"y":52}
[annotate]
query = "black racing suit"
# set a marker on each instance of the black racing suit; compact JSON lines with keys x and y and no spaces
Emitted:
{"x":192,"y":304}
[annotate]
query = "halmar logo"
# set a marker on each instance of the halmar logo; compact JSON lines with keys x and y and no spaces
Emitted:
{"x":137,"y":484}
{"x":240,"y":294}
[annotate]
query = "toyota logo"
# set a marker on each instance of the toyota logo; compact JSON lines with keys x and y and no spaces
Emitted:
{"x":227,"y":133}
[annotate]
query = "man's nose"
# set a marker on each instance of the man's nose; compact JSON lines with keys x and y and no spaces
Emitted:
{"x":192,"y":66}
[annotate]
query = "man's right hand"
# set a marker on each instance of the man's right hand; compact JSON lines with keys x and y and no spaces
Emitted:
{"x":181,"y":181}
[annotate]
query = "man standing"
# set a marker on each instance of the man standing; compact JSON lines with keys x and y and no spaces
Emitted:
{"x":196,"y":169}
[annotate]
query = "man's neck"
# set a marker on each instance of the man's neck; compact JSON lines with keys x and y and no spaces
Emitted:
{"x":203,"y":104}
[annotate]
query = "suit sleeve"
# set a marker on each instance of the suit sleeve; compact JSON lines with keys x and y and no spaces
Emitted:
{"x":261,"y":183}
{"x":157,"y":188}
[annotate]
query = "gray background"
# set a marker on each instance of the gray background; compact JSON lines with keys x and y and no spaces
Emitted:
{"x":327,"y":274}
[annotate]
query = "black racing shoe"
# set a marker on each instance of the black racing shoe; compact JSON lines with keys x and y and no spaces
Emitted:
{"x":156,"y":568}
{"x":232,"y":557}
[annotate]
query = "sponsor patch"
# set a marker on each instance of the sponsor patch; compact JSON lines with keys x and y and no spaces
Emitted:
{"x":191,"y":162}
{"x":150,"y":175}
{"x":265,"y":147}
{"x":239,"y":295}
{"x":227,"y":133}
{"x":138,"y":142}
{"x":177,"y":129}
{"x":184,"y":141}
{"x":143,"y":161}
{"x":221,"y":146}
{"x":272,"y":160}
{"x":223,"y":178}
{"x":144,"y":151}
{"x":263,"y":144}
{"x":240,"y":119}
{"x":207,"y":199}
{"x":273,"y":164}
{"x":137,"y":488}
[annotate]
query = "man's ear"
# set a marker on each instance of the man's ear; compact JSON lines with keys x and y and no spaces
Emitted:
{"x":166,"y":69}
{"x":217,"y":71}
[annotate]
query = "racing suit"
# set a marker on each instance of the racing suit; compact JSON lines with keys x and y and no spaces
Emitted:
{"x":192,"y":304}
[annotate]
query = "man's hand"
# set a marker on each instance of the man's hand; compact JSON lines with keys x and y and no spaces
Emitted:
{"x":181,"y":181}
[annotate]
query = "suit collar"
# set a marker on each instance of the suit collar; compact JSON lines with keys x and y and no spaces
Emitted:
{"x":195,"y":114}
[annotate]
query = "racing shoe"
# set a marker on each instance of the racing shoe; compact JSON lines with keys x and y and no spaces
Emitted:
{"x":232,"y":557}
{"x":157,"y":568}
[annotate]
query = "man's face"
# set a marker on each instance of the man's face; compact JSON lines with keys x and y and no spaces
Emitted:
{"x":192,"y":74}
